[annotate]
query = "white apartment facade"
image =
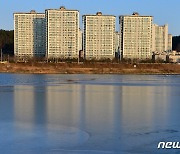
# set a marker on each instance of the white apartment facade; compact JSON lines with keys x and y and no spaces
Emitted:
{"x":135,"y":36}
{"x":29,"y":34}
{"x":80,"y":40}
{"x":160,"y":38}
{"x":62,"y":29}
{"x":99,"y":36}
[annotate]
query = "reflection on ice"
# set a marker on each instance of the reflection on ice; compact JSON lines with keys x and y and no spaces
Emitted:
{"x":88,"y":113}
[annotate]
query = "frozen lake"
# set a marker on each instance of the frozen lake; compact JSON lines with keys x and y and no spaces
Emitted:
{"x":88,"y":113}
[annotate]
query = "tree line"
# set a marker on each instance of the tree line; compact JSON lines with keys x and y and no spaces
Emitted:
{"x":176,"y":43}
{"x":7,"y":42}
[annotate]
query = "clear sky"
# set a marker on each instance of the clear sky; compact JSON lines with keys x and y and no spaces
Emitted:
{"x":164,"y":11}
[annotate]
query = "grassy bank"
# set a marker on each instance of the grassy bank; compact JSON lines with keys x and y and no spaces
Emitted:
{"x":91,"y":68}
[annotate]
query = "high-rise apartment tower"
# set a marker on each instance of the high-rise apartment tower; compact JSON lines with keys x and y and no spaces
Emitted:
{"x":29,"y":34}
{"x":99,"y":36}
{"x":135,"y":36}
{"x":162,"y":41}
{"x":62,"y":28}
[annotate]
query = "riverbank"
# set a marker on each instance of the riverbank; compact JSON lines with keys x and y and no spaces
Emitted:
{"x":91,"y":68}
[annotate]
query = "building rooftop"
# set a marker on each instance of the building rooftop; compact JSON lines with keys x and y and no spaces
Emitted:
{"x":62,"y":8}
{"x":160,"y":25}
{"x":98,"y":14}
{"x":135,"y":14}
{"x":31,"y":12}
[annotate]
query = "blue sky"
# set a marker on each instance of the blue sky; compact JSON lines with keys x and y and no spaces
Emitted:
{"x":164,"y":11}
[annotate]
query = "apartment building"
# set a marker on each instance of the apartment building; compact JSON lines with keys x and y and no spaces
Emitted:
{"x":169,"y":42}
{"x":160,"y":38}
{"x":99,"y":36}
{"x":29,"y":34}
{"x":117,"y":41}
{"x":62,"y":29}
{"x":135,"y":36}
{"x":80,"y":40}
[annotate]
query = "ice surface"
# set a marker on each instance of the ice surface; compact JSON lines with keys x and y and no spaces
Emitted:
{"x":82,"y":114}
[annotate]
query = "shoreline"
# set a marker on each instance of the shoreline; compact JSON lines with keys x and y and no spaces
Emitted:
{"x":92,"y":68}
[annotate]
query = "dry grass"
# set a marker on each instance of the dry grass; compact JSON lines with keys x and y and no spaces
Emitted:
{"x":99,"y":68}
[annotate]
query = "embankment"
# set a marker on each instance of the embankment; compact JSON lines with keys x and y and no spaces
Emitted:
{"x":91,"y":68}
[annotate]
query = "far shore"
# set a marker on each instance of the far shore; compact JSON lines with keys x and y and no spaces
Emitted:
{"x":89,"y":68}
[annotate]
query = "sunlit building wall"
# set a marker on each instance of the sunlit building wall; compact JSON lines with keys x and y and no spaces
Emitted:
{"x":160,"y":38}
{"x":80,"y":39}
{"x":62,"y":28}
{"x":136,"y":36}
{"x":169,"y":42}
{"x":99,"y":36}
{"x":29,"y":34}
